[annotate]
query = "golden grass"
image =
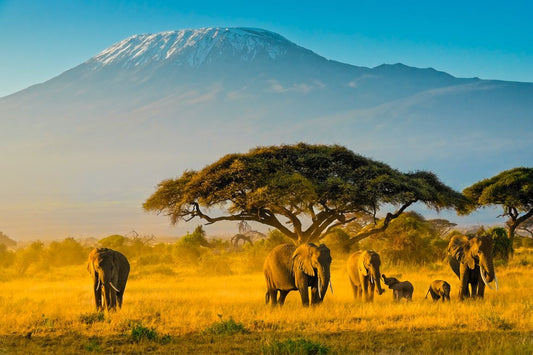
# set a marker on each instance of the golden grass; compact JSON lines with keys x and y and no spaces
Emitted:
{"x":52,"y":313}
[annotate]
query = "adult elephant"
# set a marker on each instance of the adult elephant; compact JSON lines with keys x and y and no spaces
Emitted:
{"x":288,"y":268}
{"x":109,"y":270}
{"x":364,"y":274}
{"x":471,"y":260}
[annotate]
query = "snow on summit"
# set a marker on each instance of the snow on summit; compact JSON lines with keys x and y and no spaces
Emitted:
{"x":193,"y":47}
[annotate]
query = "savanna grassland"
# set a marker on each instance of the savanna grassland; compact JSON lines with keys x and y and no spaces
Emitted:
{"x":219,"y":309}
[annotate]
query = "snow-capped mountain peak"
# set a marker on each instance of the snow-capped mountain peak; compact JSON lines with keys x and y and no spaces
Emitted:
{"x":194,"y":47}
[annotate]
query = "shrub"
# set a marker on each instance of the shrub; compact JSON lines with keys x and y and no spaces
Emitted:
{"x":299,"y":346}
{"x":140,"y":332}
{"x":503,"y":246}
{"x":229,"y":327}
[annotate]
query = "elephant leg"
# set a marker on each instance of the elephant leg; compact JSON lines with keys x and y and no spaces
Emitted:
{"x":370,"y":295}
{"x":119,"y":299}
{"x":481,"y":290}
{"x":273,"y":295}
{"x":304,"y":294}
{"x":315,"y":298}
{"x":464,"y":291}
{"x":355,"y":291}
{"x":114,"y":301}
{"x":97,"y":295}
{"x":282,"y":296}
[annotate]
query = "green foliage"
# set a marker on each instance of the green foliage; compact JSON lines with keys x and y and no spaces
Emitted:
{"x":115,"y":242}
{"x":503,"y":246}
{"x":410,"y":239}
{"x":196,"y":239}
{"x":139,"y":332}
{"x":229,"y":327}
{"x":7,"y":257}
{"x":510,"y":189}
{"x":297,"y":182}
{"x":299,"y":346}
{"x":28,"y":256}
{"x":93,"y":345}
{"x":67,"y":252}
{"x":338,"y":241}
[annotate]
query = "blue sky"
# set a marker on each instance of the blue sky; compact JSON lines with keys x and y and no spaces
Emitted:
{"x":491,"y":40}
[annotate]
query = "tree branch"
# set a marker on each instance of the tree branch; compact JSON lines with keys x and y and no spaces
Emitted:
{"x":386,"y":221}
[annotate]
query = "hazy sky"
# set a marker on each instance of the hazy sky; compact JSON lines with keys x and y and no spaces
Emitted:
{"x":488,"y":39}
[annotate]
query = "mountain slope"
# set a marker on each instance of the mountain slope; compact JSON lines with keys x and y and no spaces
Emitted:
{"x":85,"y":148}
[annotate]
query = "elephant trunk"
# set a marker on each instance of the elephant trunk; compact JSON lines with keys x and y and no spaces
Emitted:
{"x":486,"y":270}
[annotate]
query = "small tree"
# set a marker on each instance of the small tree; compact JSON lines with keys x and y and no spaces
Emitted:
{"x":302,"y":190}
{"x":511,"y":189}
{"x":503,"y":247}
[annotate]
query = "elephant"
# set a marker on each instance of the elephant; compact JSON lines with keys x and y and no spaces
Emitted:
{"x":471,"y":260}
{"x":289,"y":268}
{"x":364,"y":274}
{"x":109,"y":270}
{"x":401,"y":289}
{"x":439,"y":289}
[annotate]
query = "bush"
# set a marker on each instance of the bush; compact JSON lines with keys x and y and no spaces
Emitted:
{"x":140,"y":332}
{"x":229,"y":327}
{"x":503,"y":246}
{"x":409,"y":239}
{"x":299,"y":346}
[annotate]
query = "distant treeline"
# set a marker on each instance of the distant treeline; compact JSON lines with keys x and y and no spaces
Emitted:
{"x":409,"y":240}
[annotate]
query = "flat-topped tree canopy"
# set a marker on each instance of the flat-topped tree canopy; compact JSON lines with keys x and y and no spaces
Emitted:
{"x":511,"y":189}
{"x":303,"y":190}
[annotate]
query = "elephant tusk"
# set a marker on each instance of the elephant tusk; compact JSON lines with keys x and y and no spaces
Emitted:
{"x":98,"y":285}
{"x":330,"y":286}
{"x":496,"y":282}
{"x":485,"y":280}
{"x":371,"y":279}
{"x":113,"y":286}
{"x":319,"y":288}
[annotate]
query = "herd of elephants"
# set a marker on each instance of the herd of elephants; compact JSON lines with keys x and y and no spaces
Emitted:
{"x":289,"y":268}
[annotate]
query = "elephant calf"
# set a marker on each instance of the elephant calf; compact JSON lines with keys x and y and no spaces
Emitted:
{"x":438,"y":289}
{"x":401,"y":289}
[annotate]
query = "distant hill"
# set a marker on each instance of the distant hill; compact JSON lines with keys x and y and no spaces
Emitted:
{"x":84,"y":149}
{"x":8,"y":242}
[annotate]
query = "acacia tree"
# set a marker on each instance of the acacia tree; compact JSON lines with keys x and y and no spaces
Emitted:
{"x":302,"y":190}
{"x":511,"y":189}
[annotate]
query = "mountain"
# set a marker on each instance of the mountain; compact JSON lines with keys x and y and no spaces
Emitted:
{"x":83,"y":150}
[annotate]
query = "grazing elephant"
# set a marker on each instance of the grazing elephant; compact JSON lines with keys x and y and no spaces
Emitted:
{"x":401,"y":289}
{"x":289,"y":268}
{"x":109,"y":270}
{"x":471,"y":260}
{"x":439,"y":289}
{"x":363,"y":271}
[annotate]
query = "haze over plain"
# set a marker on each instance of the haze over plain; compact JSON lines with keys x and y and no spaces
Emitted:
{"x":79,"y":160}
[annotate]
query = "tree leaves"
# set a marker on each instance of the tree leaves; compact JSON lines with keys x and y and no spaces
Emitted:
{"x":286,"y":186}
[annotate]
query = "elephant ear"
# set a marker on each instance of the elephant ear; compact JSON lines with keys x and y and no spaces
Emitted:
{"x":459,"y":249}
{"x":361,"y":263}
{"x":302,"y":259}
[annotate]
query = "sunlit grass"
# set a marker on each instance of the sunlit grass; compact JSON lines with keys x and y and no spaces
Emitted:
{"x":181,"y":308}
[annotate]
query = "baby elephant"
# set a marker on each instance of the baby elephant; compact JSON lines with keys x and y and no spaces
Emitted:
{"x":438,"y":289}
{"x":401,"y":289}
